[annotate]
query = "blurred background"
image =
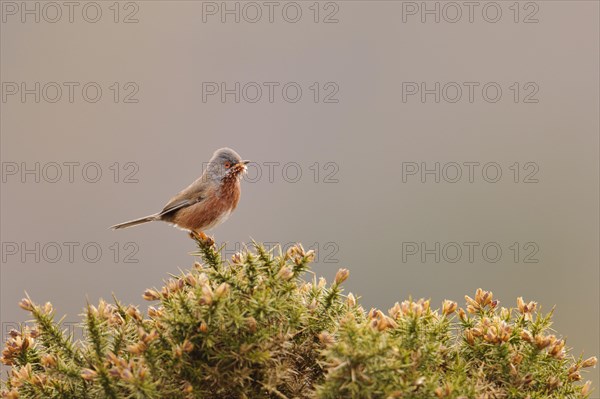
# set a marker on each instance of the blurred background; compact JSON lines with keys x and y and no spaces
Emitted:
{"x":430,"y":147}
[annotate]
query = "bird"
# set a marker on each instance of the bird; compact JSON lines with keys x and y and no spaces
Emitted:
{"x":205,"y":203}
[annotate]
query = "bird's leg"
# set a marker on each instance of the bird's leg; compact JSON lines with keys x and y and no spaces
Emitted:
{"x":201,"y":237}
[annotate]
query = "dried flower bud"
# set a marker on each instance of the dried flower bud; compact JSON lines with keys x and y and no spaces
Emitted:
{"x":556,"y":350}
{"x":544,"y":341}
{"x":553,"y":383}
{"x":48,"y":361}
{"x":151,"y":295}
{"x":527,"y":379}
{"x":590,"y":362}
{"x":207,"y":295}
{"x":137,"y":348}
{"x":187,"y":388}
{"x":471,"y":302}
{"x":134,"y":313}
{"x":526,"y":336}
{"x":26,"y":304}
{"x":285,"y":273}
{"x":526,"y":309}
{"x":203,"y":279}
{"x":322,"y":283}
{"x":251,"y":324}
{"x":374,"y":324}
{"x":6,"y":360}
{"x":187,"y":346}
{"x":236,"y":258}
{"x":154,"y":312}
{"x":142,"y":371}
{"x":12,"y":394}
{"x":147,"y":337}
{"x":484,"y":298}
{"x":586,"y":388}
{"x":112,"y":358}
{"x":372,"y":313}
{"x":351,"y":301}
{"x":221,"y":291}
{"x":127,"y":375}
{"x":575,"y":367}
{"x":521,"y":304}
{"x":177,"y":351}
{"x":88,"y":374}
{"x":491,"y":335}
{"x":296,"y":254}
{"x":47,"y":308}
{"x":462,"y":315}
{"x":395,"y":311}
{"x":341,"y":276}
{"x":448,"y":307}
{"x":517,"y":359}
{"x":306,"y":287}
{"x":203,"y":327}
{"x":390,"y":323}
{"x":21,"y":375}
{"x":191,"y":280}
{"x":469,"y":336}
{"x":326,"y":338}
{"x":114,"y":372}
{"x":310,"y":256}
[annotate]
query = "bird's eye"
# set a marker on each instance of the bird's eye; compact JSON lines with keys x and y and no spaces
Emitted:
{"x":227,"y":165}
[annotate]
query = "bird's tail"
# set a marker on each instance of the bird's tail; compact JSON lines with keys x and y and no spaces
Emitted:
{"x":135,"y":222}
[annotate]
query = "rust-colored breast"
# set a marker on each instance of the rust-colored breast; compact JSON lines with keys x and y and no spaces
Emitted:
{"x":211,"y":211}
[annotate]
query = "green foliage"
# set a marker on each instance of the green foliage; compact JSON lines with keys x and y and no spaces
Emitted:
{"x":251,"y":327}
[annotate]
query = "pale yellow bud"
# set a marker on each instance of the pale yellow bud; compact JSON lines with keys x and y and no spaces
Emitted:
{"x":341,"y":276}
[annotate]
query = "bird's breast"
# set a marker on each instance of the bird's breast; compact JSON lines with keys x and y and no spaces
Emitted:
{"x":230,"y":192}
{"x":211,"y":211}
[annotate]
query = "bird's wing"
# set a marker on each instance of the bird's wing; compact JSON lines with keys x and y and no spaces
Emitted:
{"x":178,"y":204}
{"x":191,"y":195}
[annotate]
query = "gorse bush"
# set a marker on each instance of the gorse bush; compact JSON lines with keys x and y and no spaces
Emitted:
{"x":252,"y":327}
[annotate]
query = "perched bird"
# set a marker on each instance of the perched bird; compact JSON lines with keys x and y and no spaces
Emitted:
{"x":206,"y":202}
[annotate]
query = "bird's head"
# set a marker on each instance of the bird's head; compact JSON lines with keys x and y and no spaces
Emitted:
{"x":225,"y":162}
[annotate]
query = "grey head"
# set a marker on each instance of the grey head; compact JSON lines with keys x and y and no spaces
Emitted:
{"x":225,"y":162}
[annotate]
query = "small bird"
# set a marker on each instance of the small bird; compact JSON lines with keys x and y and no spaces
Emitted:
{"x":206,"y":202}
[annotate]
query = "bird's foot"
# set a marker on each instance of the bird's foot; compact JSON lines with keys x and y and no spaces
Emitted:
{"x":202,"y":238}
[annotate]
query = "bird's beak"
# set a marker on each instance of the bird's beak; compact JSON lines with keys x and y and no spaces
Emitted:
{"x":241,"y":166}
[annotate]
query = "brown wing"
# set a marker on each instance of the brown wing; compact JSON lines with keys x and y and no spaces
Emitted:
{"x":194,"y":193}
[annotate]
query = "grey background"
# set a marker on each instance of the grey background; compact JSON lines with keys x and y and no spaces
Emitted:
{"x":358,"y":222}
